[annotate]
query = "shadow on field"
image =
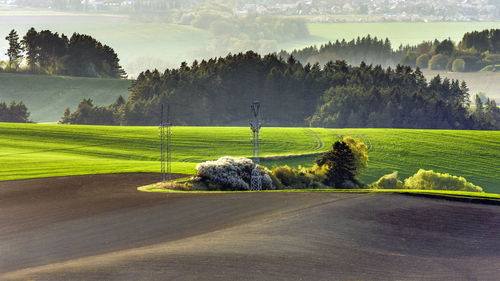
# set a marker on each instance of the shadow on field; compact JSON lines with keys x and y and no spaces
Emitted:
{"x":99,"y":227}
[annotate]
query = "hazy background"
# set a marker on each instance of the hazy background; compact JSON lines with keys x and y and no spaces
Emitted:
{"x":163,"y":33}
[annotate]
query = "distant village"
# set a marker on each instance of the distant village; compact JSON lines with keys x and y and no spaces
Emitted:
{"x":317,"y":10}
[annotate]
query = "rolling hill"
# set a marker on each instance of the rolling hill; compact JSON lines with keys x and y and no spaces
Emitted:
{"x":44,"y":150}
{"x":48,"y":96}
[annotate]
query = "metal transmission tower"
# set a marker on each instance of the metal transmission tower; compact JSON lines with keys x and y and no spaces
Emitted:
{"x":255,"y":125}
{"x":166,"y":146}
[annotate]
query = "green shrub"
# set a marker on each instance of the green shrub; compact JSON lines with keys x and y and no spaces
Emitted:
{"x":436,"y":181}
{"x":298,"y":179}
{"x":290,"y":177}
{"x":438,"y":62}
{"x":458,"y":65}
{"x":423,"y":61}
{"x":360,"y":151}
{"x":389,"y":181}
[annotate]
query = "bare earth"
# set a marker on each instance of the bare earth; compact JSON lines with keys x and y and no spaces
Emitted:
{"x":100,"y":228}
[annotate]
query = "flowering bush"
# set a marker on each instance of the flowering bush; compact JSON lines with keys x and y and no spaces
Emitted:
{"x":229,"y":173}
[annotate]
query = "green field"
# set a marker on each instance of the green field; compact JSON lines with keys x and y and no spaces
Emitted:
{"x":48,"y":96}
{"x":31,"y":151}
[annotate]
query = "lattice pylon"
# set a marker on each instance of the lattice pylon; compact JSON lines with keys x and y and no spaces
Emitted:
{"x":255,"y":125}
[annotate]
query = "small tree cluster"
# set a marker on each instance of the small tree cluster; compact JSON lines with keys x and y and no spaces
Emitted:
{"x":14,"y":112}
{"x":88,"y":113}
{"x":337,"y":168}
{"x":51,"y":53}
{"x":424,"y":179}
{"x":486,"y":115}
{"x":229,"y":173}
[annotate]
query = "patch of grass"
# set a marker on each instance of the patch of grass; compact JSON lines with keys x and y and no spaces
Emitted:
{"x":44,"y":150}
{"x":441,"y":193}
{"x":48,"y":96}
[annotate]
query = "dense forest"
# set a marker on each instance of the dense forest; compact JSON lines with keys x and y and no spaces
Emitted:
{"x":476,"y":50}
{"x":220,"y":90}
{"x":14,"y":112}
{"x":50,"y":53}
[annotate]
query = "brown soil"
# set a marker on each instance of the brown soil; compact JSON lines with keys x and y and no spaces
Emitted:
{"x":98,"y":227}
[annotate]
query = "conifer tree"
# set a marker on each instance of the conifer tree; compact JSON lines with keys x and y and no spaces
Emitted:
{"x":15,"y":51}
{"x":340,"y":164}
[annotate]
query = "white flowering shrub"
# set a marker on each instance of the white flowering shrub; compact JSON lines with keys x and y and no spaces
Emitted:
{"x":229,"y":173}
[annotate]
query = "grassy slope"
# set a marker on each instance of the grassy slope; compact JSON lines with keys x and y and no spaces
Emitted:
{"x":30,"y":151}
{"x":474,"y":155}
{"x":47,"y":96}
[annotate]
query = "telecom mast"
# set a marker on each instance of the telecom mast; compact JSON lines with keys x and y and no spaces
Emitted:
{"x":255,"y":125}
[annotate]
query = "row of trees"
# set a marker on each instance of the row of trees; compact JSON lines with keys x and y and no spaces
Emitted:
{"x":14,"y":112}
{"x":51,"y":53}
{"x":365,"y":49}
{"x":218,"y":92}
{"x":475,"y":51}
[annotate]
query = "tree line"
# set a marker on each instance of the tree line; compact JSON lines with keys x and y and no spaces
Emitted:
{"x":14,"y":112}
{"x":218,"y":91}
{"x":365,"y":49}
{"x":45,"y":52}
{"x":476,"y":50}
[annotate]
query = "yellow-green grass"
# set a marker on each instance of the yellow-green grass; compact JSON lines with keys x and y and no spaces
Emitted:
{"x":43,"y":150}
{"x":443,"y":193}
{"x":474,"y":155}
{"x":48,"y":96}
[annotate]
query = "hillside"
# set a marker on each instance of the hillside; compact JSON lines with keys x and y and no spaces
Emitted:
{"x":48,"y":96}
{"x":33,"y":151}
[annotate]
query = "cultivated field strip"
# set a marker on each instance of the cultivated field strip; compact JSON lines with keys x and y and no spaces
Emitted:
{"x":42,"y":150}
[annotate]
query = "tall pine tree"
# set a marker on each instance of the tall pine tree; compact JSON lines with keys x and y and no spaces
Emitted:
{"x":15,"y":51}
